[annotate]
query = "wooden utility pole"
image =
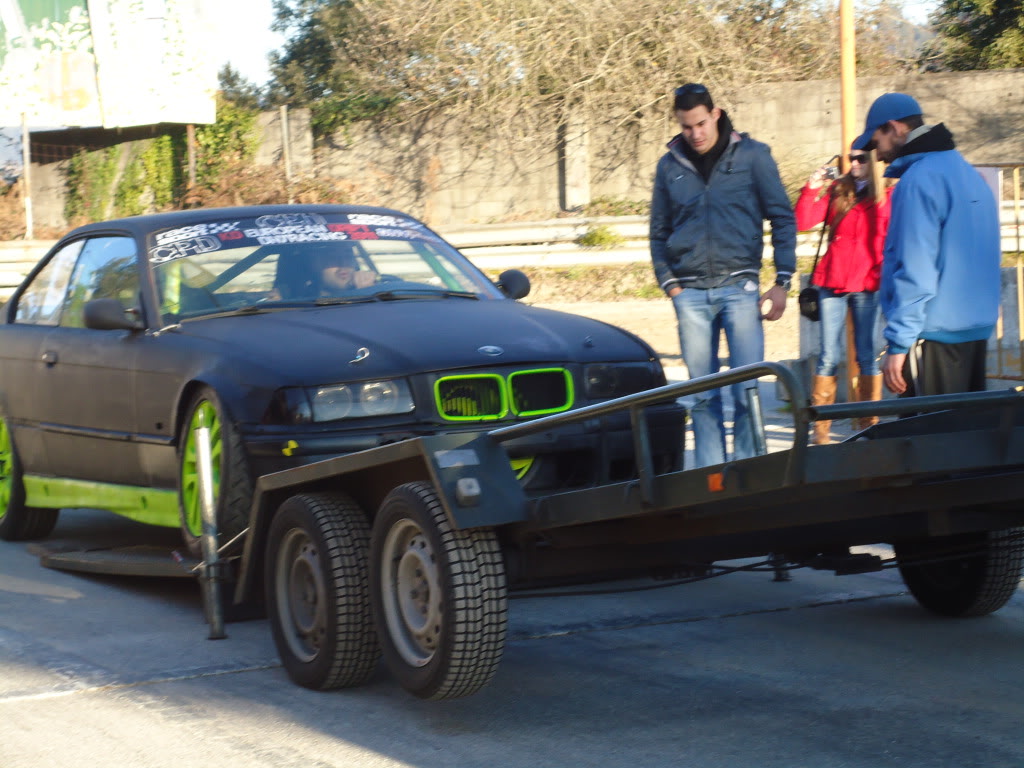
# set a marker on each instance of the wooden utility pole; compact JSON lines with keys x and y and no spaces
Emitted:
{"x":847,"y":77}
{"x":848,"y":87}
{"x":190,"y":148}
{"x":26,"y":177}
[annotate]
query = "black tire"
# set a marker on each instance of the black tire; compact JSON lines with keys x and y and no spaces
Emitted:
{"x":317,"y":591}
{"x":439,"y":596}
{"x":976,"y":584}
{"x":232,"y":476}
{"x":17,"y":521}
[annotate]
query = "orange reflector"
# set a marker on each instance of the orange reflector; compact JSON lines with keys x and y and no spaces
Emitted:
{"x":716,"y":482}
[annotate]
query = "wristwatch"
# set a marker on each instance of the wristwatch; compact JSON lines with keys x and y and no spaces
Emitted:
{"x":785,"y":282}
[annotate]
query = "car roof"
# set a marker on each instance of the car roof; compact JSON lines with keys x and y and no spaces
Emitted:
{"x":142,"y":225}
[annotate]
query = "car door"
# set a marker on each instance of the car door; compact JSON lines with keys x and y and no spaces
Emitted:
{"x":89,"y":425}
{"x":31,"y":316}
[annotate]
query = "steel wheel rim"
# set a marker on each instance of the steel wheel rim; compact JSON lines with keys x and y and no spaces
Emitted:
{"x":411,"y":593}
{"x":6,"y":469}
{"x":204,"y":415}
{"x":301,"y":596}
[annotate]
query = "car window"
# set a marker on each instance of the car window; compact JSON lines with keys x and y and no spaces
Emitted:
{"x":416,"y":262}
{"x":302,"y":258}
{"x":41,"y":301}
{"x":106,"y":269}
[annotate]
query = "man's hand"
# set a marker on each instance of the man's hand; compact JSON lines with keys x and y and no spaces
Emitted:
{"x":674,"y":291}
{"x":777,"y":296}
{"x":892,"y":372}
{"x":364,"y":278}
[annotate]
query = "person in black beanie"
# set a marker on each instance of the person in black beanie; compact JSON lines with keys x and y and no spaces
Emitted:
{"x":713,"y":190}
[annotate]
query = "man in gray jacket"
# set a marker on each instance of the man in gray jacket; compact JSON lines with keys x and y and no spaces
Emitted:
{"x":713,"y":190}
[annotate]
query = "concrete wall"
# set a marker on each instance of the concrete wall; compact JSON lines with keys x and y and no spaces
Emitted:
{"x":448,"y":180}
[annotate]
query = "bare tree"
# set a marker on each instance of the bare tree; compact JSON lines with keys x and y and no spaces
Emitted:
{"x":500,"y":67}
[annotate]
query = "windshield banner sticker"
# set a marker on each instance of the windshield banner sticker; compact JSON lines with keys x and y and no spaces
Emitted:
{"x":182,"y":248}
{"x":281,"y":228}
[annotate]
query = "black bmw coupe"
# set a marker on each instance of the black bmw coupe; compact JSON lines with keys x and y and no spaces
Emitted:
{"x":294,"y":333}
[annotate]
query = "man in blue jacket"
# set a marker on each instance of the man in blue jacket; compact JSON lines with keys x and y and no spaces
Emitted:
{"x":713,"y":190}
{"x":940,"y":274}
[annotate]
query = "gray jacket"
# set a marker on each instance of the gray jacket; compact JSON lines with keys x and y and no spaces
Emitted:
{"x":706,"y":235}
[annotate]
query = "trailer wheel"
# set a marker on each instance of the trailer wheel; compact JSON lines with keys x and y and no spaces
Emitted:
{"x":317,"y":591}
{"x":439,"y":596}
{"x":18,"y":522}
{"x":974,"y":585}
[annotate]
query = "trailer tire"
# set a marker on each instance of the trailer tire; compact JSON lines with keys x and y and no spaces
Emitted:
{"x":440,"y":597}
{"x":974,"y":585}
{"x":317,"y":591}
{"x":18,"y":522}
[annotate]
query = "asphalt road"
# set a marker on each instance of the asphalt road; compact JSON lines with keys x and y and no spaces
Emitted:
{"x":821,"y":671}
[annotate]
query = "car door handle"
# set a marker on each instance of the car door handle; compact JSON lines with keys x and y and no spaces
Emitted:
{"x":50,"y":358}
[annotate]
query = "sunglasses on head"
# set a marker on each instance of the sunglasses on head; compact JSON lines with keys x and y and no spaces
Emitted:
{"x":858,"y":158}
{"x":689,"y":88}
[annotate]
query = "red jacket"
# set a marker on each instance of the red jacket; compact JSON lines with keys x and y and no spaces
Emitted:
{"x":853,"y":260}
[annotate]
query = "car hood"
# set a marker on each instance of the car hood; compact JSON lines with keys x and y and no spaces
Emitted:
{"x":405,"y":336}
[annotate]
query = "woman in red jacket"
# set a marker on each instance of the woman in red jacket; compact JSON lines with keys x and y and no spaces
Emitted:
{"x":847,"y":276}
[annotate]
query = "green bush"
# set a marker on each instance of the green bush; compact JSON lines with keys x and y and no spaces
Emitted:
{"x":600,"y":236}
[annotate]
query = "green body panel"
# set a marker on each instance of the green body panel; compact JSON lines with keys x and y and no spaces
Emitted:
{"x":151,"y":506}
{"x":6,"y":468}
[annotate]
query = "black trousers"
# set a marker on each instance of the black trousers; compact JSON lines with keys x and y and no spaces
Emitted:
{"x":943,"y":369}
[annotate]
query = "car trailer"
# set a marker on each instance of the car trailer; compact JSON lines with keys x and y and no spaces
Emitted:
{"x":408,"y":551}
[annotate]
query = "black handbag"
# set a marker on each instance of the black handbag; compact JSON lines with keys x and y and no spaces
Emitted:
{"x":808,"y":298}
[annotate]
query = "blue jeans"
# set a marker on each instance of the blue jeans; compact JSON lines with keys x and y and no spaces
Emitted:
{"x":702,"y":316}
{"x":864,"y":308}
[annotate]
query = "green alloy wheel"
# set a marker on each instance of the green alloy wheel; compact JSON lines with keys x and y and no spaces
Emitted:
{"x":232,"y":482}
{"x":17,"y":521}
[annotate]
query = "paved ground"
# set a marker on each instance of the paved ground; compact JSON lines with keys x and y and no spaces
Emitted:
{"x":821,"y":671}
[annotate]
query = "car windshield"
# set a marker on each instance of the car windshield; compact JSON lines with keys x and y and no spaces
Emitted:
{"x":305,"y":259}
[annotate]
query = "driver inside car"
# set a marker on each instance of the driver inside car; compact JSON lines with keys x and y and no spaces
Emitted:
{"x":339,"y":272}
{"x":326,"y":270}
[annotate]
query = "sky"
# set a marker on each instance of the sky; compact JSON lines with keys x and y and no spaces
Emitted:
{"x":917,"y":10}
{"x":250,"y":38}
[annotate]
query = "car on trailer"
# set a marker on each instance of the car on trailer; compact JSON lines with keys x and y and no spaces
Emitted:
{"x":294,"y":333}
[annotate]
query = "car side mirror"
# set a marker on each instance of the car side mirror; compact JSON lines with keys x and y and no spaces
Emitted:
{"x":109,"y":315}
{"x":514,"y":284}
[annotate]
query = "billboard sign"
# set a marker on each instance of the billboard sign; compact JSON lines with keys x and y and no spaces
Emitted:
{"x":109,"y":63}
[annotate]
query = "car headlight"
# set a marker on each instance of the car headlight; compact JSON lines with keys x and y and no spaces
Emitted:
{"x":333,"y":402}
{"x":609,"y":380}
{"x":360,"y":399}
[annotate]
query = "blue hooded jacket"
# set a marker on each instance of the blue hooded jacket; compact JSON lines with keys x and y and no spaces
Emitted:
{"x":705,"y":235}
{"x":940,"y":273}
